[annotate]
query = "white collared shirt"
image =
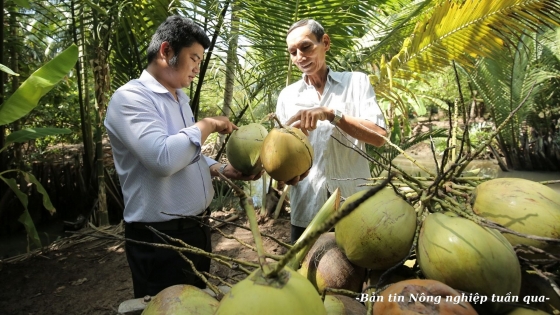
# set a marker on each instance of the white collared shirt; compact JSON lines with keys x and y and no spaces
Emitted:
{"x":157,"y":152}
{"x":352,"y":94}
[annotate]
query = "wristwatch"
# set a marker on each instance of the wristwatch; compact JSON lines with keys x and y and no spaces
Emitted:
{"x":337,"y":117}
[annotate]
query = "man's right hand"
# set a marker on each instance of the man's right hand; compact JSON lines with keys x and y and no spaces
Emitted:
{"x":219,"y":124}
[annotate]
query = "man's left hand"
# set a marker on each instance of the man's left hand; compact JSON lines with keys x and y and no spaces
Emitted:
{"x":232,"y":173}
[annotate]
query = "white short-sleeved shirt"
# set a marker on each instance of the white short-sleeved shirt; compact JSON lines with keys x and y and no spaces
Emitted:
{"x":353,"y":95}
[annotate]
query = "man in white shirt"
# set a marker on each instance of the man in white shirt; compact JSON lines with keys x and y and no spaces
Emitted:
{"x":157,"y":152}
{"x":325,"y":104}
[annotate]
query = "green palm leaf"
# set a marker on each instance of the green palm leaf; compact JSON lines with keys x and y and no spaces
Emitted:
{"x":508,"y":79}
{"x":399,"y":23}
{"x":461,"y":32}
{"x":137,"y":22}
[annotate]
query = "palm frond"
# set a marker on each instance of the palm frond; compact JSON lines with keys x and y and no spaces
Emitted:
{"x":401,"y":16}
{"x":461,"y":32}
{"x":504,"y":85}
{"x":136,"y":22}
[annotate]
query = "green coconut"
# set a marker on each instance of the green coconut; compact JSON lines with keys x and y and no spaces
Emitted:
{"x":522,"y":205}
{"x":343,"y":305}
{"x":379,"y":233}
{"x":288,"y":294}
{"x":182,"y":300}
{"x":468,"y":257}
{"x":286,"y":153}
{"x":243,"y":148}
{"x":326,"y":266}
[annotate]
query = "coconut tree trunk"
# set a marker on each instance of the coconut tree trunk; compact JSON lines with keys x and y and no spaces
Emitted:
{"x":231,"y":62}
{"x":14,"y":59}
{"x":4,"y":191}
{"x":77,"y":22}
{"x":231,"y":66}
{"x":102,"y":81}
{"x":195,"y":104}
{"x":102,"y":89}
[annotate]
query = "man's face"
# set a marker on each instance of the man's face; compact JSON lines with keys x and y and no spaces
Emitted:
{"x":307,"y":53}
{"x":186,"y":66}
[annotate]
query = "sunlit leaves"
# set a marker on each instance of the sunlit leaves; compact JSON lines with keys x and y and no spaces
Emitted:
{"x":459,"y":32}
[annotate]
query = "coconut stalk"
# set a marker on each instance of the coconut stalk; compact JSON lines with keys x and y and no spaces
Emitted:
{"x":549,"y":182}
{"x":247,"y":204}
{"x":263,"y":195}
{"x":464,"y":161}
{"x":401,"y":151}
{"x":327,"y":210}
{"x":279,"y":242}
{"x":243,"y":243}
{"x":281,"y":202}
{"x":455,"y":130}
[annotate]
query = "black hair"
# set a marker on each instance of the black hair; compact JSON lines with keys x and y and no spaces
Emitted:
{"x":315,"y":27}
{"x":179,"y":32}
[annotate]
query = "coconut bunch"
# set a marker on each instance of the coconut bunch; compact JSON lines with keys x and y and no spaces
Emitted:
{"x":485,"y":239}
{"x":469,"y":233}
{"x":272,"y":286}
{"x":284,"y":152}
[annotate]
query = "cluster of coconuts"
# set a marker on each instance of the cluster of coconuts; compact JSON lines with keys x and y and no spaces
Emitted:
{"x":466,"y":256}
{"x":284,"y":153}
{"x":454,"y":253}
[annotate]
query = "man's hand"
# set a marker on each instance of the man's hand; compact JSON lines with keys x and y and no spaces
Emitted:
{"x":294,"y":181}
{"x":219,"y":124}
{"x":222,"y":125}
{"x":306,"y":120}
{"x":230,"y":172}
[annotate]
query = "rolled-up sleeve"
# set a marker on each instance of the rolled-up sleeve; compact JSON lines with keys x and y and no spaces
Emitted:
{"x":369,"y":109}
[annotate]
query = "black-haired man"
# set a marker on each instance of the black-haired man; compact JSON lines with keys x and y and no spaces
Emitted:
{"x":157,"y":151}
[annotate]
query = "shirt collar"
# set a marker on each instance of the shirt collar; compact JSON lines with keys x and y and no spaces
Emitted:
{"x":331,"y":75}
{"x":335,"y":76}
{"x":151,"y":83}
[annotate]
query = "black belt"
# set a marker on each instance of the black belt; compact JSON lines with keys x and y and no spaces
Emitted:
{"x":175,"y":224}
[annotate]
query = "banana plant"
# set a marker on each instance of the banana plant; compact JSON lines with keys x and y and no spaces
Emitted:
{"x":20,"y":103}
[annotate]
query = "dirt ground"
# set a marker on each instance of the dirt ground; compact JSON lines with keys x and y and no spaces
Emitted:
{"x":89,"y":275}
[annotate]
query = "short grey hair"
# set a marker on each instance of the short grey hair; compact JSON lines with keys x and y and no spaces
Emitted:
{"x":315,"y":27}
